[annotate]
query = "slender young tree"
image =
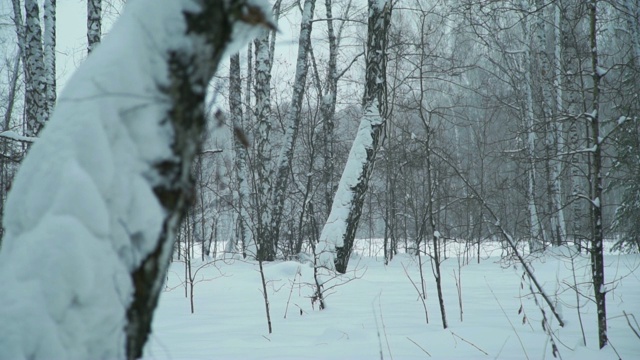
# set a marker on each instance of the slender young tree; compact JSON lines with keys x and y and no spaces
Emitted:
{"x":328,"y":107}
{"x":243,"y":234}
{"x":49,"y":42}
{"x":283,"y":163}
{"x":339,"y":232}
{"x":596,"y":200}
{"x":262,"y":182}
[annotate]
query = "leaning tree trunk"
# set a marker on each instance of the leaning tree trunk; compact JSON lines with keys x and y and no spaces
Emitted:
{"x":283,"y":164}
{"x":101,"y":194}
{"x":339,"y":231}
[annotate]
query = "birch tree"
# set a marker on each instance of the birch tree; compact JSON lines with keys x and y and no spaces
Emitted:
{"x":240,"y":149}
{"x":553,"y":126}
{"x":94,"y":23}
{"x":595,"y":177}
{"x":262,"y":183}
{"x":49,"y":47}
{"x":557,"y":128}
{"x":30,"y":44}
{"x":106,"y":185}
{"x":529,"y":116}
{"x":338,"y":234}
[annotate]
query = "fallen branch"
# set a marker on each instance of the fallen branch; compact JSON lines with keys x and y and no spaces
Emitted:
{"x":421,"y":348}
{"x":627,"y":316}
{"x":468,"y":342}
{"x":12,"y":135}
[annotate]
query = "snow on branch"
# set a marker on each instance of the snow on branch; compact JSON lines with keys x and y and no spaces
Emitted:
{"x":12,"y":135}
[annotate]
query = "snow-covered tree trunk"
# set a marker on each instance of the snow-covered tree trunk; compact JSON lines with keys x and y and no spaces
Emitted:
{"x":240,"y":148}
{"x":101,"y":194}
{"x":283,"y":163}
{"x":339,"y":231}
{"x":50,"y":53}
{"x":94,"y":23}
{"x":596,"y":201}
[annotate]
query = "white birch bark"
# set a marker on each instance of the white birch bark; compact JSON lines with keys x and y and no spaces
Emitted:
{"x":328,"y":109}
{"x":49,"y":41}
{"x":30,"y":45}
{"x":94,"y":23}
{"x":534,"y":220}
{"x":571,"y":107}
{"x":557,"y":128}
{"x":262,"y":183}
{"x":545,"y":77}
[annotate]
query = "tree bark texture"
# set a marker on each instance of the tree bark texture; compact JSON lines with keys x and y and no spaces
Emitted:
{"x":94,"y":23}
{"x":266,"y":249}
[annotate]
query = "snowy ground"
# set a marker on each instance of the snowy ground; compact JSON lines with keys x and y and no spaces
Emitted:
{"x":379,"y":314}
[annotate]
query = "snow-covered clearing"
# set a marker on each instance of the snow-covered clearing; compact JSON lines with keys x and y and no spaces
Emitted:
{"x":379,"y":314}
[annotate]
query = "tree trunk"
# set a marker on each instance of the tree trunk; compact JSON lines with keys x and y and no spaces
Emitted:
{"x":536,"y":240}
{"x":50,"y":53}
{"x":554,"y":166}
{"x":283,"y":164}
{"x":266,"y":249}
{"x":597,"y":246}
{"x":116,"y":221}
{"x":328,"y":109}
{"x":30,"y":45}
{"x":339,"y":231}
{"x":240,"y":148}
{"x":94,"y":23}
{"x":557,"y":128}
